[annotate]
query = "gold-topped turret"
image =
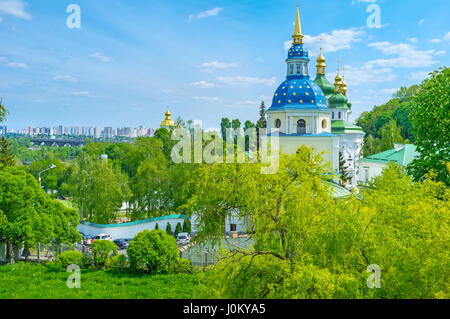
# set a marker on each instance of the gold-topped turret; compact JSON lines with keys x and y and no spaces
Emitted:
{"x":338,"y":80}
{"x":344,"y":85}
{"x":298,"y":35}
{"x":321,"y":63}
{"x":168,"y":122}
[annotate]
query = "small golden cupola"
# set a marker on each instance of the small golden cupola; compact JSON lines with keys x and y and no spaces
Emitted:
{"x":168,"y":122}
{"x":321,"y":63}
{"x":344,"y":85}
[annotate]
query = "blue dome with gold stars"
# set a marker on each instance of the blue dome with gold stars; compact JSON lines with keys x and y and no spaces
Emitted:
{"x":299,"y":94}
{"x":298,"y":52}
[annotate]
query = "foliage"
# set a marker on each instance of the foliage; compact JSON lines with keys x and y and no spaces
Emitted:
{"x":98,"y":188}
{"x":157,"y":226}
{"x":182,"y":266}
{"x":308,"y":245}
{"x":390,"y":135}
{"x":35,"y":281}
{"x":7,"y":157}
{"x":103,"y":252}
{"x":262,"y":122}
{"x":187,"y":226}
{"x":431,"y":121}
{"x":168,"y":229}
{"x":3,"y":112}
{"x":29,"y":215}
{"x":153,"y":251}
{"x":178,"y":229}
{"x":67,"y":258}
{"x":119,"y":262}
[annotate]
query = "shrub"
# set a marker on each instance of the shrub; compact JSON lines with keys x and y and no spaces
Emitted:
{"x":187,"y":226}
{"x":182,"y":266}
{"x":118,"y":262}
{"x":70,"y":258}
{"x":153,"y":251}
{"x":103,"y":250}
{"x":157,"y":226}
{"x":169,"y":229}
{"x":178,"y":229}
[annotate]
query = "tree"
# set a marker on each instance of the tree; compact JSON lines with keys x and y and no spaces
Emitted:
{"x":98,"y":188}
{"x":187,"y":226}
{"x":178,"y":229}
{"x":157,"y":226}
{"x":7,"y":157}
{"x":262,"y":122}
{"x":390,"y":135}
{"x":224,"y":125}
{"x":344,"y":176}
{"x":430,"y":118}
{"x":371,"y":146}
{"x":153,"y":251}
{"x":28,"y":216}
{"x":169,"y":229}
{"x":3,"y":112}
{"x":307,"y":245}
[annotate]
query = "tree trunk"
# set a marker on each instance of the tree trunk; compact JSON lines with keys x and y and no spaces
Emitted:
{"x":10,"y":252}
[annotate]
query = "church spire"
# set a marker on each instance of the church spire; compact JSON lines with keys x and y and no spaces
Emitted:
{"x":298,"y":36}
{"x":321,"y":61}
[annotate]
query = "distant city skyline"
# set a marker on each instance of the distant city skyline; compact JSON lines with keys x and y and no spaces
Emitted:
{"x":203,"y":60}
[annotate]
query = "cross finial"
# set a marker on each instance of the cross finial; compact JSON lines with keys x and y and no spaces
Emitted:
{"x":338,"y":62}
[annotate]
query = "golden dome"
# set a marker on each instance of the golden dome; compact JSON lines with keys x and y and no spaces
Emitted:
{"x":168,"y":121}
{"x":321,"y":58}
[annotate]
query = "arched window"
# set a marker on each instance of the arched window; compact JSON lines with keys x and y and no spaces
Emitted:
{"x":301,"y":127}
{"x":278,"y":123}
{"x":291,"y":69}
{"x":339,"y":115}
{"x":324,"y":124}
{"x":299,"y":68}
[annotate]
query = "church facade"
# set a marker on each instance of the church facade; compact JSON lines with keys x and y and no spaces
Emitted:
{"x":315,"y":113}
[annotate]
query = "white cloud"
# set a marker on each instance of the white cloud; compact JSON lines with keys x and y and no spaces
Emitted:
{"x":413,"y":40}
{"x":19,"y":65}
{"x":419,"y":75}
{"x":243,"y":80}
{"x":389,"y":91}
{"x":447,"y":36}
{"x":81,"y":93}
{"x":216,"y":65}
{"x":406,"y":55}
{"x":436,"y":40}
{"x":335,"y":41}
{"x":15,"y":8}
{"x":207,"y":98}
{"x":355,"y":76}
{"x":101,"y":57}
{"x":202,"y":84}
{"x":204,"y":14}
{"x":441,"y":52}
{"x":421,"y":21}
{"x":66,"y":78}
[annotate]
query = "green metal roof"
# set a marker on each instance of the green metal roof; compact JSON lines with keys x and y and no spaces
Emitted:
{"x":342,"y":126}
{"x":327,"y":88}
{"x":402,"y":156}
{"x":338,"y":191}
{"x":338,"y":101}
{"x":156,"y":219}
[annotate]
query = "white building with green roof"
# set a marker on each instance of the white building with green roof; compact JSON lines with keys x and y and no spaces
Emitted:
{"x":372,"y":166}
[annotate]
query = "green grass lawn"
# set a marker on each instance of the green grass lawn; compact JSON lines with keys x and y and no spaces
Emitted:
{"x":32,"y":281}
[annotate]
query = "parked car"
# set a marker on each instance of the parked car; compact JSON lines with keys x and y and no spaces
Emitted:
{"x":103,"y":237}
{"x":121,"y":243}
{"x":183,"y":239}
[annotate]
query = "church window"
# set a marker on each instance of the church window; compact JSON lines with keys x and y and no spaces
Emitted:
{"x":301,"y":127}
{"x":324,"y":124}
{"x":278,"y":123}
{"x":339,"y":115}
{"x":332,"y":115}
{"x":292,"y":69}
{"x":298,"y":68}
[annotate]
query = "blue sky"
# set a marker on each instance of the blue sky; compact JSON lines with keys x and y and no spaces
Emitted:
{"x":205,"y":60}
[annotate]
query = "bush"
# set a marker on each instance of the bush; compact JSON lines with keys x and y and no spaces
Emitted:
{"x":187,"y":226}
{"x":153,"y":251}
{"x":182,"y":266}
{"x":119,"y":262}
{"x":178,"y":229}
{"x":103,"y":251}
{"x":169,"y":229}
{"x":157,"y":226}
{"x":70,"y":258}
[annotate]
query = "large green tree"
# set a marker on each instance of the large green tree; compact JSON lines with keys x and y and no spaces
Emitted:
{"x":98,"y":188}
{"x":431,"y":121}
{"x":29,"y":215}
{"x":7,"y":157}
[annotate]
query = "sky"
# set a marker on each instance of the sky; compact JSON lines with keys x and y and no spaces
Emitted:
{"x":131,"y":60}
